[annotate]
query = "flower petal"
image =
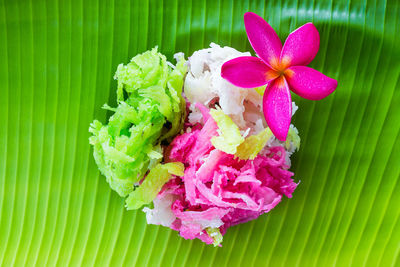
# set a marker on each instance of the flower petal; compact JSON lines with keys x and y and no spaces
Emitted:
{"x":277,"y":107}
{"x":263,"y":38}
{"x":247,"y":72}
{"x":301,"y":46}
{"x":309,"y":83}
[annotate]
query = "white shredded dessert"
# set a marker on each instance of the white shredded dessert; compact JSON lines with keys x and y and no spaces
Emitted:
{"x":205,"y":85}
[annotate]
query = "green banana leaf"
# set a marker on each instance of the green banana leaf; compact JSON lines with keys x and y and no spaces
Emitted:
{"x":57,"y":63}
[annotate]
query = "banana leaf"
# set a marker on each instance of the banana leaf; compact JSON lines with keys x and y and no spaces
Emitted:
{"x":56,"y":71}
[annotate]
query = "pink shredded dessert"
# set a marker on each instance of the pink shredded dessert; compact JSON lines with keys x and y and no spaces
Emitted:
{"x":219,"y":190}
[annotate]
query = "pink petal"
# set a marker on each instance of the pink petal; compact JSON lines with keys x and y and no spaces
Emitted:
{"x":309,"y":83}
{"x":277,"y":107}
{"x":263,"y":38}
{"x":301,"y":46}
{"x":247,"y":72}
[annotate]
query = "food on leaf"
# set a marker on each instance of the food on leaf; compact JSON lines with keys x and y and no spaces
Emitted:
{"x":209,"y":141}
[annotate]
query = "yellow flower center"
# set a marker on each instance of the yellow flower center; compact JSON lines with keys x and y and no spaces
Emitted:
{"x":279,"y":68}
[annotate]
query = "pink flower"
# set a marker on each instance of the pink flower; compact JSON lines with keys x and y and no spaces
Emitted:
{"x":281,"y":69}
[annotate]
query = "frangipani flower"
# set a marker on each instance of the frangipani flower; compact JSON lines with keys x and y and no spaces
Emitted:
{"x":280,"y":68}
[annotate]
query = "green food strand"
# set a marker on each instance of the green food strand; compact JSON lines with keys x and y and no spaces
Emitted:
{"x":229,"y":134}
{"x":216,"y":235}
{"x":153,"y":183}
{"x":253,"y":144}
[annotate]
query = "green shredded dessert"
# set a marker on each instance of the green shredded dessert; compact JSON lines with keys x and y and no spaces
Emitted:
{"x":150,"y":110}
